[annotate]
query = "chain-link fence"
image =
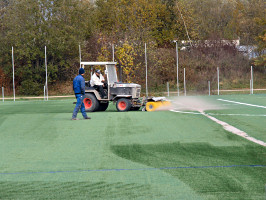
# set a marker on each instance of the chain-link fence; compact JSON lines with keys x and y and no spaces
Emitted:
{"x":201,"y":71}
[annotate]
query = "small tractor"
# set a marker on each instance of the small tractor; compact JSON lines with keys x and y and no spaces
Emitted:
{"x":125,"y":95}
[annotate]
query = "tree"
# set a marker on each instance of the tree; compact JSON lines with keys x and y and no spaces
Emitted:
{"x":206,"y":19}
{"x":139,"y":21}
{"x":29,"y":25}
{"x":248,"y":19}
{"x":126,"y":55}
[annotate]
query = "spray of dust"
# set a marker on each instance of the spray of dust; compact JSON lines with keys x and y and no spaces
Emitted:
{"x":199,"y":104}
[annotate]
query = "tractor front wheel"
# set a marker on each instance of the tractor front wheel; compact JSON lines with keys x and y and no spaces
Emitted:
{"x":91,"y":103}
{"x":123,"y":105}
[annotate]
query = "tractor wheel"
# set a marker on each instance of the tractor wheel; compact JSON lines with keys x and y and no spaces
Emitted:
{"x":91,"y":103}
{"x":123,"y":105}
{"x":103,"y":106}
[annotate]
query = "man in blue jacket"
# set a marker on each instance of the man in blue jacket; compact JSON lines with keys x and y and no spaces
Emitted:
{"x":79,"y":89}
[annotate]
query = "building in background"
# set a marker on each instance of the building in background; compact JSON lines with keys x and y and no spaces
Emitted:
{"x":250,"y":51}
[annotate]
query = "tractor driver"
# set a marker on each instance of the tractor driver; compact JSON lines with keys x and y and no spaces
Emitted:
{"x":97,"y":81}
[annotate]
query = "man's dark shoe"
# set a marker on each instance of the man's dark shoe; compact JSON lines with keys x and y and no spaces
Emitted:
{"x":74,"y":119}
{"x":87,"y":118}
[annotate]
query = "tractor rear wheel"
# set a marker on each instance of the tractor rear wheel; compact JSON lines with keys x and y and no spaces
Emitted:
{"x":91,"y":103}
{"x":123,"y":105}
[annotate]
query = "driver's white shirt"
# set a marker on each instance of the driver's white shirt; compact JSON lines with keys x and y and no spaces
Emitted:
{"x":95,"y":80}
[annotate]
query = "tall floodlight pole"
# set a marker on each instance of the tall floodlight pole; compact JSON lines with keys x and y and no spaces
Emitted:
{"x":46,"y":82}
{"x":146,"y":70}
{"x":13,"y":64}
{"x":113,"y":48}
{"x":79,"y":57}
{"x":177,"y":81}
{"x":218,"y":80}
{"x":184,"y":24}
{"x":251,"y":71}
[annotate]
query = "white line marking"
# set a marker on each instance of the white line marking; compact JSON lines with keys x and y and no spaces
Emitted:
{"x":246,"y":115}
{"x":227,"y":127}
{"x":234,"y":130}
{"x":196,"y":113}
{"x":193,"y":113}
{"x":246,"y":104}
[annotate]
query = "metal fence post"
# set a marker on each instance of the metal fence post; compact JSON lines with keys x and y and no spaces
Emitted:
{"x":168,"y":88}
{"x":177,"y":81}
{"x":185,"y":89}
{"x":146,"y":70}
{"x":218,"y":80}
{"x":44,"y":93}
{"x":3,"y":94}
{"x":46,"y":83}
{"x":79,"y":57}
{"x":250,"y":86}
{"x":209,"y":84}
{"x":13,"y":64}
{"x":251,"y":71}
{"x":113,"y":48}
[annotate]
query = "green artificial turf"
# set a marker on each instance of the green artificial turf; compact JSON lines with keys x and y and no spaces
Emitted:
{"x":214,"y":182}
{"x":45,"y":155}
{"x":75,"y":190}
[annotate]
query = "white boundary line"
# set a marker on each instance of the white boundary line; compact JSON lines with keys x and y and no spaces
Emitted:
{"x":193,"y":113}
{"x":197,"y":113}
{"x":246,"y":104}
{"x":227,"y":127}
{"x":234,"y":130}
{"x":246,"y":115}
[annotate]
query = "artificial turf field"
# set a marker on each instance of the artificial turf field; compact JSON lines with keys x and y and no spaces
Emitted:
{"x":131,"y":155}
